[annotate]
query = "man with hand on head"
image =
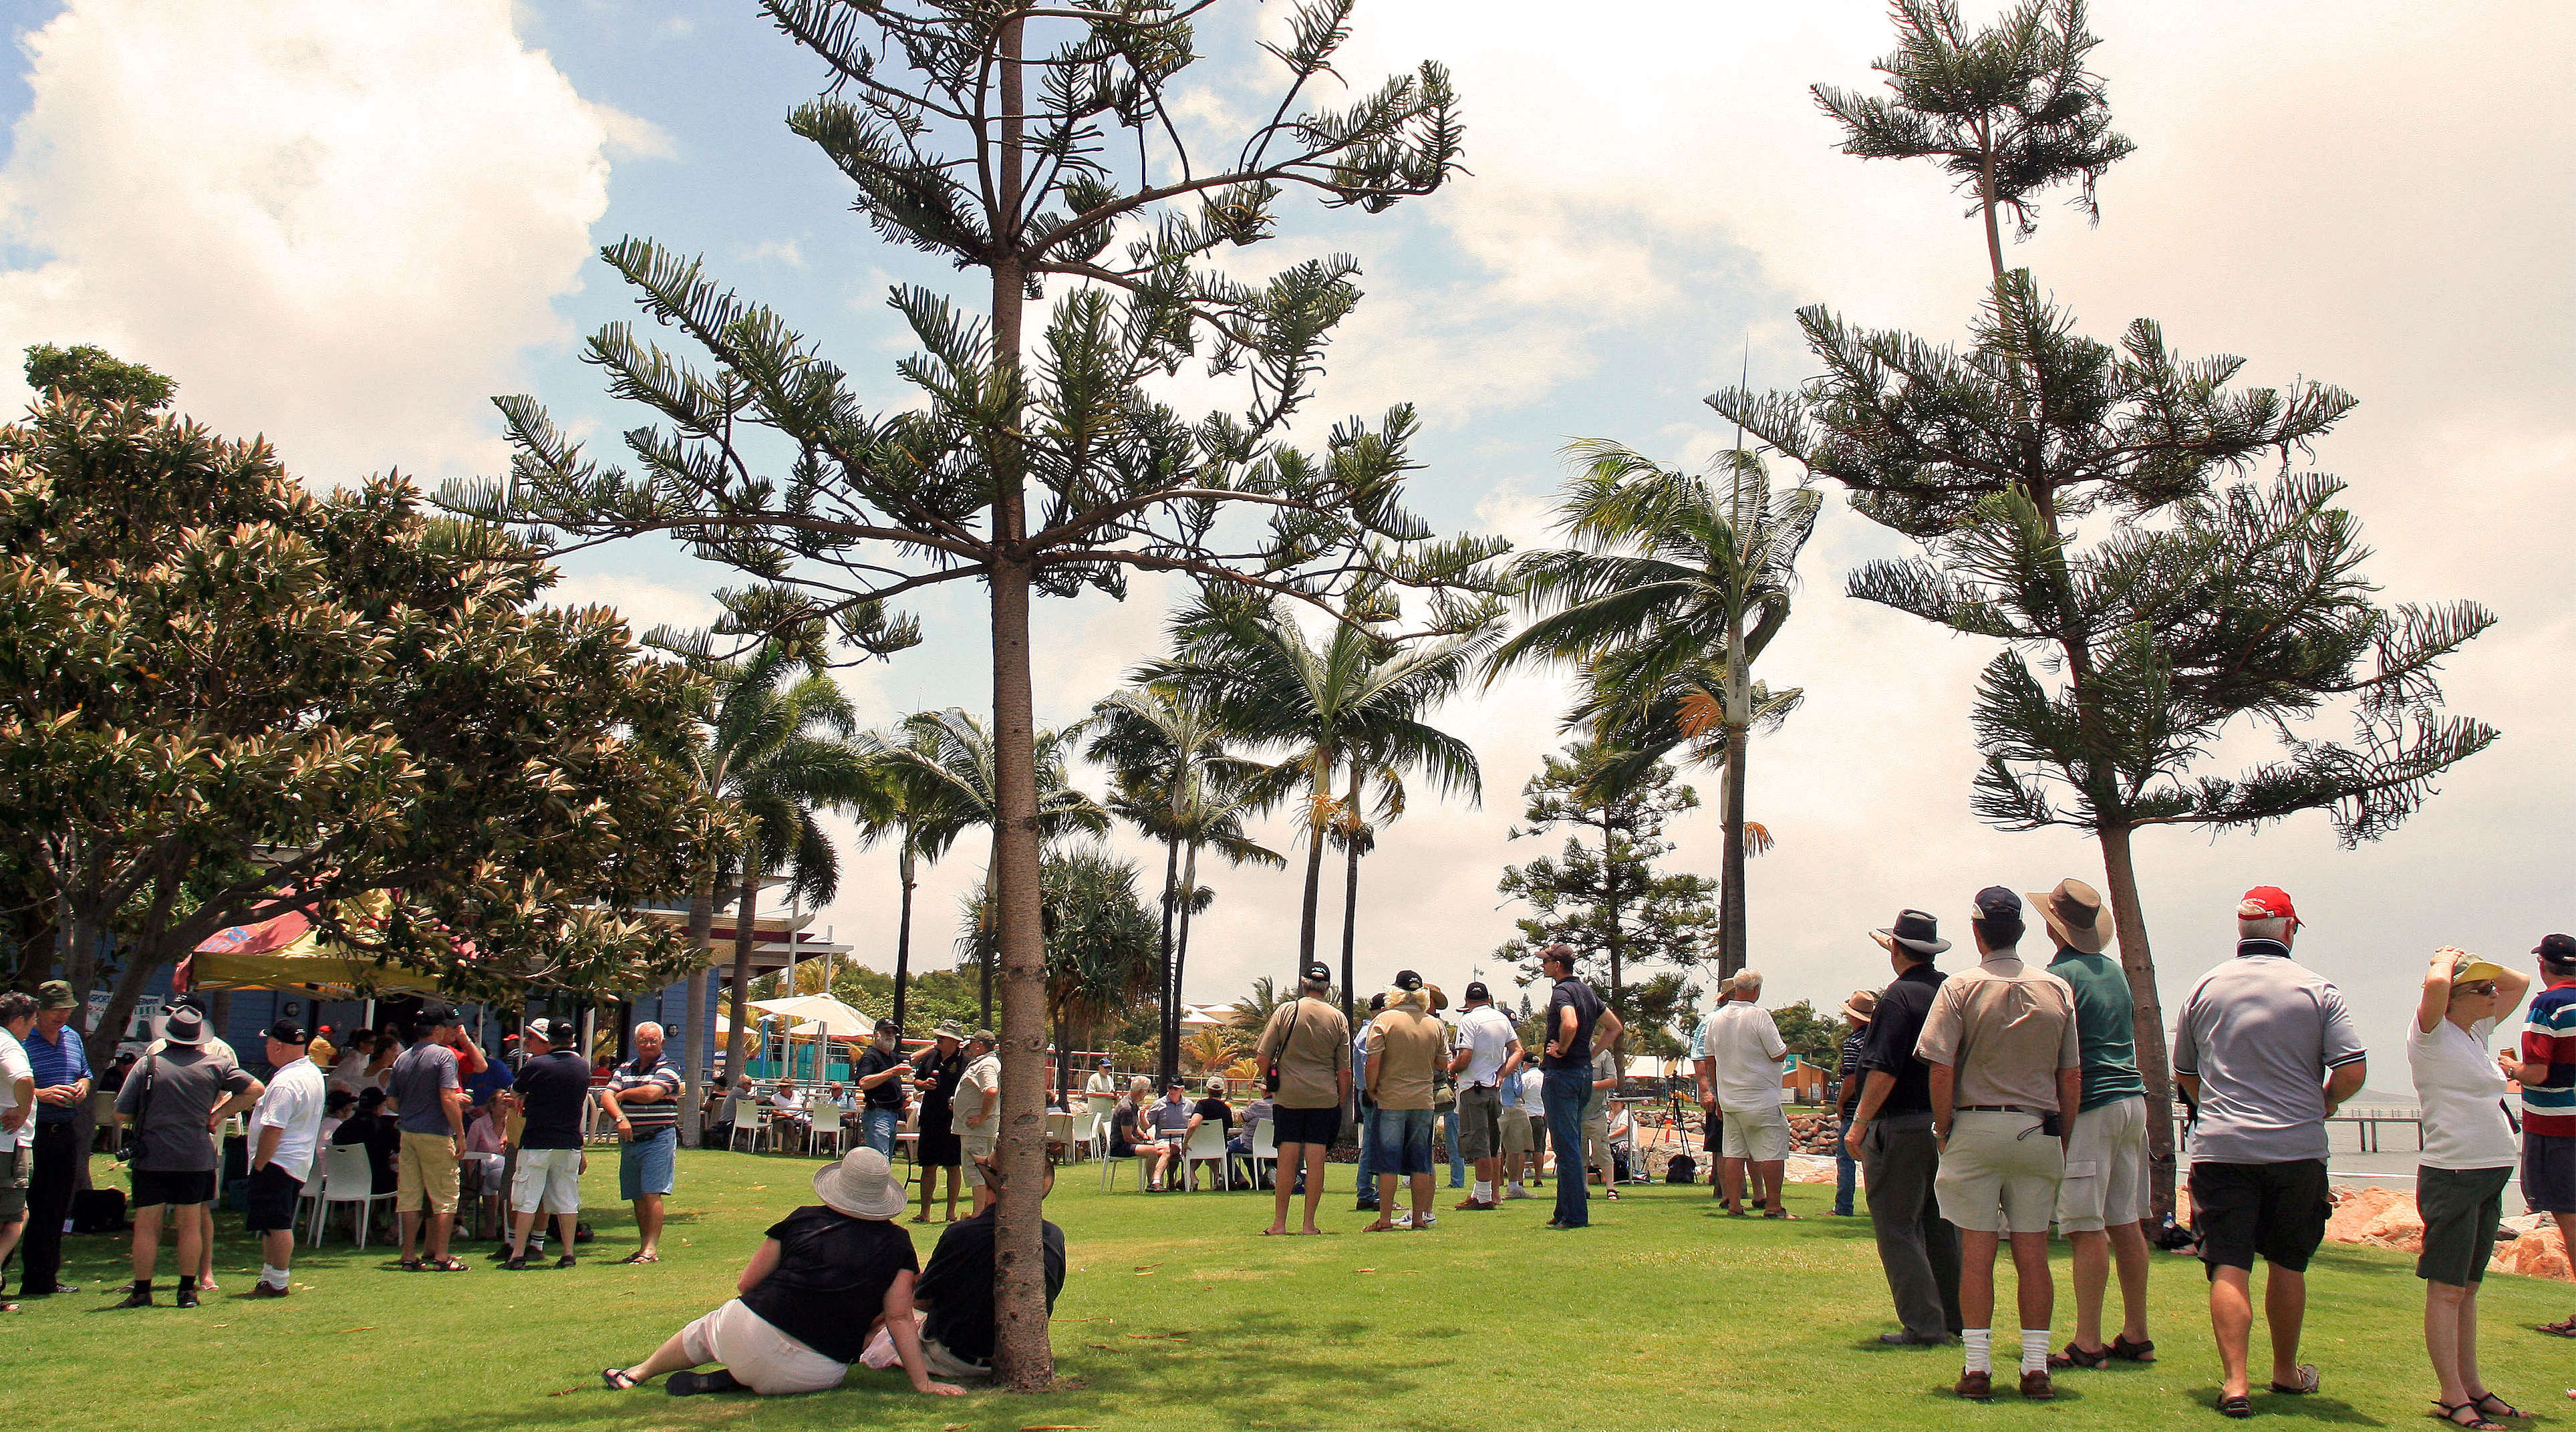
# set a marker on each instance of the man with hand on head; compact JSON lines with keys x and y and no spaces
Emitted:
{"x":2007,"y":1075}
{"x":2265,"y":1050}
{"x":285,"y":1130}
{"x":643,"y":1096}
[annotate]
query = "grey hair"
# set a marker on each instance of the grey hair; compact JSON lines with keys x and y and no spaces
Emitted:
{"x":2270,"y":927}
{"x":1140,"y":1085}
{"x":657,"y":1029}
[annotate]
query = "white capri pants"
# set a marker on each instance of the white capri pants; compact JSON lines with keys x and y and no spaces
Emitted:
{"x":549,"y":1179}
{"x":759,"y":1356}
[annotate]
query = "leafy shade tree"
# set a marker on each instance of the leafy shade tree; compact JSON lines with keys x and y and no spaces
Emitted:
{"x":2203,"y":603}
{"x":97,"y":375}
{"x":1030,"y":143}
{"x":1816,"y":1038}
{"x":954,"y":757}
{"x":922,"y":812}
{"x":1602,"y":894}
{"x":224,"y":698}
{"x":1253,"y":1011}
{"x":1657,"y":1009}
{"x":1173,"y":780}
{"x":1357,"y":699}
{"x":1099,"y":942}
{"x":1678,"y":588}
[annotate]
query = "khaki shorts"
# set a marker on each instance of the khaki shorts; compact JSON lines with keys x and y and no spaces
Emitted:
{"x":2106,"y":1169}
{"x":14,"y":1164}
{"x":425,"y":1173}
{"x":1480,"y":1122}
{"x":1761,"y":1135}
{"x":1516,"y":1132}
{"x":759,"y":1356}
{"x":1999,"y":1173}
{"x":971,"y":1147}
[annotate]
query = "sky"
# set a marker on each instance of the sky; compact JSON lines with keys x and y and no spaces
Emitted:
{"x":349,"y":227}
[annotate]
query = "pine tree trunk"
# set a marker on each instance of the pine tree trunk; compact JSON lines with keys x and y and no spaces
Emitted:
{"x":739,"y":1041}
{"x":1168,"y":1022}
{"x":1615,"y":936}
{"x":2155,"y":1060}
{"x":693,"y":1038}
{"x":1021,"y":1355}
{"x":910,"y":874}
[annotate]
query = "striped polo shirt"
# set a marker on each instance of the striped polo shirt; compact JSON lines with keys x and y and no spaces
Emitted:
{"x":648,"y":1119}
{"x":2549,"y":1037}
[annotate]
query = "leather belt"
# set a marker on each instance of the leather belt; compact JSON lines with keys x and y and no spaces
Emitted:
{"x":1997,"y":1109}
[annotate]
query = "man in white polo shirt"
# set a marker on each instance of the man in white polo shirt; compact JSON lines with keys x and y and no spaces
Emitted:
{"x":1739,"y":1075}
{"x":285,"y":1129}
{"x":1489,"y":1055}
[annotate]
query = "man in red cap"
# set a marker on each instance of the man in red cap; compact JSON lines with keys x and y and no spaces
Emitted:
{"x":2265,"y":1051}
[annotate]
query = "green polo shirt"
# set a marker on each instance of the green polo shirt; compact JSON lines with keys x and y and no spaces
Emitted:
{"x":2105,"y":1026}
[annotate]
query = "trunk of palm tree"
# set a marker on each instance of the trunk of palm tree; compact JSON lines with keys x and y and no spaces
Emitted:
{"x":744,"y":919}
{"x":1731,"y":898}
{"x":1181,"y":944}
{"x":2155,"y":1066}
{"x":1168,"y":1020}
{"x":1318,"y":800}
{"x":909,"y":873}
{"x":693,"y":1038}
{"x":1021,"y":1354}
{"x":1351,"y":892}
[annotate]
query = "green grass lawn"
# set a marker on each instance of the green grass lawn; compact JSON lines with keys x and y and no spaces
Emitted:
{"x":1661,"y":1315}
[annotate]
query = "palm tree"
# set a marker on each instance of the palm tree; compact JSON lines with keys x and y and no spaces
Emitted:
{"x":954,"y":757}
{"x":1099,"y":943}
{"x":923,"y":815}
{"x":1679,"y":586}
{"x":1211,"y":1050}
{"x":1355,"y":694}
{"x":1213,"y":819}
{"x":770,"y":744}
{"x":1166,"y":755}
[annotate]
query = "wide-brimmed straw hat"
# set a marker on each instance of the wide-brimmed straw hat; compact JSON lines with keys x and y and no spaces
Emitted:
{"x":861,"y":1185}
{"x":1862,"y":1006}
{"x":2074,"y":913}
{"x":1915,"y":930}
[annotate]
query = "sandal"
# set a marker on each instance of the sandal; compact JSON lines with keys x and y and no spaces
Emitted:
{"x":617,"y":1379}
{"x":1611,"y":1194}
{"x":2502,"y":1408}
{"x":443,"y":1265}
{"x":2128,"y":1351}
{"x":2237,"y":1406}
{"x":2563,"y":1328}
{"x":2450,"y":1412}
{"x":632,"y":1259}
{"x":1781,"y":1213}
{"x":565,"y":1261}
{"x":411,"y":1265}
{"x":2076,"y":1356}
{"x":2308,"y":1382}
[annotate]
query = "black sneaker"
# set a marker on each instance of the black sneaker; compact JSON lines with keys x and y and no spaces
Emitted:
{"x":139,"y":1298}
{"x":187,"y":1298}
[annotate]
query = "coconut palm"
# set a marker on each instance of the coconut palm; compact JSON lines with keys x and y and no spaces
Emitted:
{"x":1167,"y":760}
{"x":922,"y":814}
{"x":954,"y":757}
{"x":1353,"y":692}
{"x":1210,"y":1050}
{"x":1680,"y":584}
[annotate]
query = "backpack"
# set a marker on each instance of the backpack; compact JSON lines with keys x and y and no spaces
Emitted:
{"x":99,"y":1210}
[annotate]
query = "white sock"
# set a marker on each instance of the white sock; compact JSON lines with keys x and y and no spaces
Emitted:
{"x":1981,"y":1349}
{"x":2034,"y":1349}
{"x":1484,"y":1191}
{"x":272,"y":1275}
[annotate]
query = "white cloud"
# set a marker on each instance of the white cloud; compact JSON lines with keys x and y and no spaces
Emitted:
{"x":779,"y":251}
{"x":337,"y":227}
{"x":644,"y":603}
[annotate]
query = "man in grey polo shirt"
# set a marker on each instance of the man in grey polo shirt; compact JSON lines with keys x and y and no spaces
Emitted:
{"x":2266,"y":1052}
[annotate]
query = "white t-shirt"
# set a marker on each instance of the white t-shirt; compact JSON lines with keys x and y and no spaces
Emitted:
{"x":14,"y":1067}
{"x":293,"y":1106}
{"x":1485,"y":1031}
{"x":1534,"y":1093}
{"x":1102,"y":1090}
{"x":1745,"y":1050}
{"x":2463,"y":1094}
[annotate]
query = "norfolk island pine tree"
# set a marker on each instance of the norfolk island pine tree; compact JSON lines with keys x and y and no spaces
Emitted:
{"x":932,"y":116}
{"x":2203,"y":605}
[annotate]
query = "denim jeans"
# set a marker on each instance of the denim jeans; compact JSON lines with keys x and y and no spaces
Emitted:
{"x":1844,"y":1167}
{"x":1449,"y":1131}
{"x":1399,"y":1142}
{"x":1362,"y":1176}
{"x":1565,"y":1093}
{"x":880,"y":1126}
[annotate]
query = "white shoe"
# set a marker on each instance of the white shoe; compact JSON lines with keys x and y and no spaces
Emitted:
{"x":1430,"y":1220}
{"x":1402,"y":1220}
{"x":1516,"y":1191}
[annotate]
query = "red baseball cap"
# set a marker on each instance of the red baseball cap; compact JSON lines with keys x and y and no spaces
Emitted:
{"x":2268,"y":902}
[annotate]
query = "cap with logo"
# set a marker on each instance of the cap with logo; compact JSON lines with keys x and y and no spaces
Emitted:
{"x":1408,"y":980}
{"x":287,"y":1031}
{"x":1477,"y":993}
{"x":552,"y":1031}
{"x":1998,"y":906}
{"x":2557,"y":949}
{"x":1319,"y":973}
{"x":2268,"y":902}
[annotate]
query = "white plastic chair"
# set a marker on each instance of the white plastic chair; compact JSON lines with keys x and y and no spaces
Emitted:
{"x":1086,"y":1132}
{"x":827,"y":1120}
{"x":1265,"y":1149}
{"x":750,"y":1116}
{"x":1109,"y":1163}
{"x":346,"y":1178}
{"x":1206,"y":1145}
{"x":1060,"y":1129}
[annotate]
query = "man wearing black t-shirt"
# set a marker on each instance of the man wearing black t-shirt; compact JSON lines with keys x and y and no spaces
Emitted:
{"x":880,"y":1075}
{"x":1891,"y":1135}
{"x":1575,"y":1021}
{"x":550,"y":1091}
{"x":956,"y":1290}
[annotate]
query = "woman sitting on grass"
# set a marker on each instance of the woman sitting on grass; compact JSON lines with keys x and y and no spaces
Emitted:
{"x":793,"y":1328}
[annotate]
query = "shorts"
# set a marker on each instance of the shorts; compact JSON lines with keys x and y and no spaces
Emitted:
{"x":1761,"y":1135}
{"x":1516,"y":1131}
{"x":14,"y":1164}
{"x":425,"y":1173}
{"x":644,"y":1165}
{"x":2273,"y":1211}
{"x":2106,"y":1169}
{"x":1999,"y":1173}
{"x":548,"y":1180}
{"x":1538,"y":1133}
{"x":1307,"y":1126}
{"x":182,"y":1187}
{"x":1480,"y":1121}
{"x":971,"y":1147}
{"x":759,"y":1356}
{"x":1400,"y":1142}
{"x":269,"y":1205}
{"x":2460,"y":1209}
{"x":2549,"y":1173}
